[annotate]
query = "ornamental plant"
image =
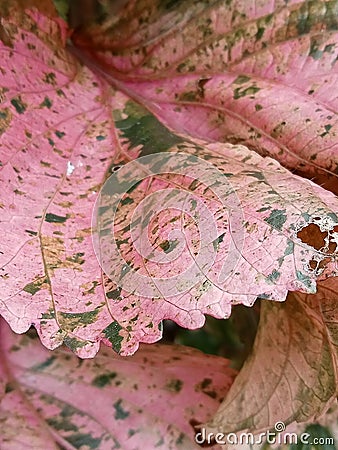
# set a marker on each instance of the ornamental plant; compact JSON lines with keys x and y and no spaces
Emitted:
{"x":165,"y":160}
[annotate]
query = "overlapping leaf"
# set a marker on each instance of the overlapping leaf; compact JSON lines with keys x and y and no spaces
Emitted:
{"x":56,"y":145}
{"x":146,"y":401}
{"x":292,"y":372}
{"x":62,"y":129}
{"x":261,"y":74}
{"x":271,"y":256}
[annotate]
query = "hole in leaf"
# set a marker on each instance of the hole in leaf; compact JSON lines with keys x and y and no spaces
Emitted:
{"x":313,"y":264}
{"x":312,"y":236}
{"x":323,"y":263}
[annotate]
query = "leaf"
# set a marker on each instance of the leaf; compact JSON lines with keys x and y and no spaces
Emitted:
{"x":55,"y":151}
{"x":292,"y":372}
{"x":262,"y":76}
{"x":250,"y":242}
{"x":64,"y":130}
{"x":59,"y":401}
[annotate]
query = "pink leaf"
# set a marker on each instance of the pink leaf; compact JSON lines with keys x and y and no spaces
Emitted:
{"x":260,"y":75}
{"x":64,"y":128}
{"x":291,"y":375}
{"x":259,"y":246}
{"x":55,"y":151}
{"x":147,"y":400}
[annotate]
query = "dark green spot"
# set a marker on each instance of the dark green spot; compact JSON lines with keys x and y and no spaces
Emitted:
{"x":143,"y":129}
{"x":169,"y":4}
{"x":46,"y":103}
{"x":59,"y":134}
{"x":77,"y":258}
{"x":190,"y":96}
{"x":134,"y":186}
{"x":305,"y":279}
{"x":63,"y":420}
{"x":104,"y":379}
{"x":277,"y":218}
{"x":255,"y":174}
{"x":79,"y":319}
{"x":180,"y":439}
{"x":289,"y":249}
{"x":111,"y":332}
{"x":159,"y":443}
{"x":241,"y":79}
{"x":114,"y":294}
{"x":18,"y":192}
{"x":181,"y":67}
{"x":258,"y":107}
{"x":9,"y":388}
{"x":48,"y":315}
{"x":54,"y":218}
{"x":327,"y":129}
{"x":329,"y":48}
{"x":73,"y":343}
{"x":240,"y":92}
{"x":19,"y":105}
{"x":175,"y":385}
{"x":35,"y":286}
{"x":315,"y":53}
{"x":60,"y":423}
{"x":100,"y":137}
{"x":32,"y":233}
{"x":50,"y":78}
{"x":169,"y":245}
{"x":259,"y":33}
{"x":42,"y":366}
{"x":126,"y":201}
{"x":274,"y":275}
{"x":217,"y":241}
{"x":82,"y":440}
{"x":120,"y":413}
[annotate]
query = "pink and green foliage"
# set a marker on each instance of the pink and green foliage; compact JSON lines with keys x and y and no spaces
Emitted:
{"x":294,"y":359}
{"x":150,"y":397}
{"x":260,"y":74}
{"x":251,"y":89}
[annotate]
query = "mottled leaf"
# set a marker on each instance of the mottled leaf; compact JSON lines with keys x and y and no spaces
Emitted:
{"x":64,"y":129}
{"x":291,"y":375}
{"x":57,"y":143}
{"x":263,"y":74}
{"x":53,"y":400}
{"x":264,"y":232}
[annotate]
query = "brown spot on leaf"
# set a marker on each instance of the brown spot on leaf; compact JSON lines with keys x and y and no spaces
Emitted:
{"x":5,"y":120}
{"x":200,"y":85}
